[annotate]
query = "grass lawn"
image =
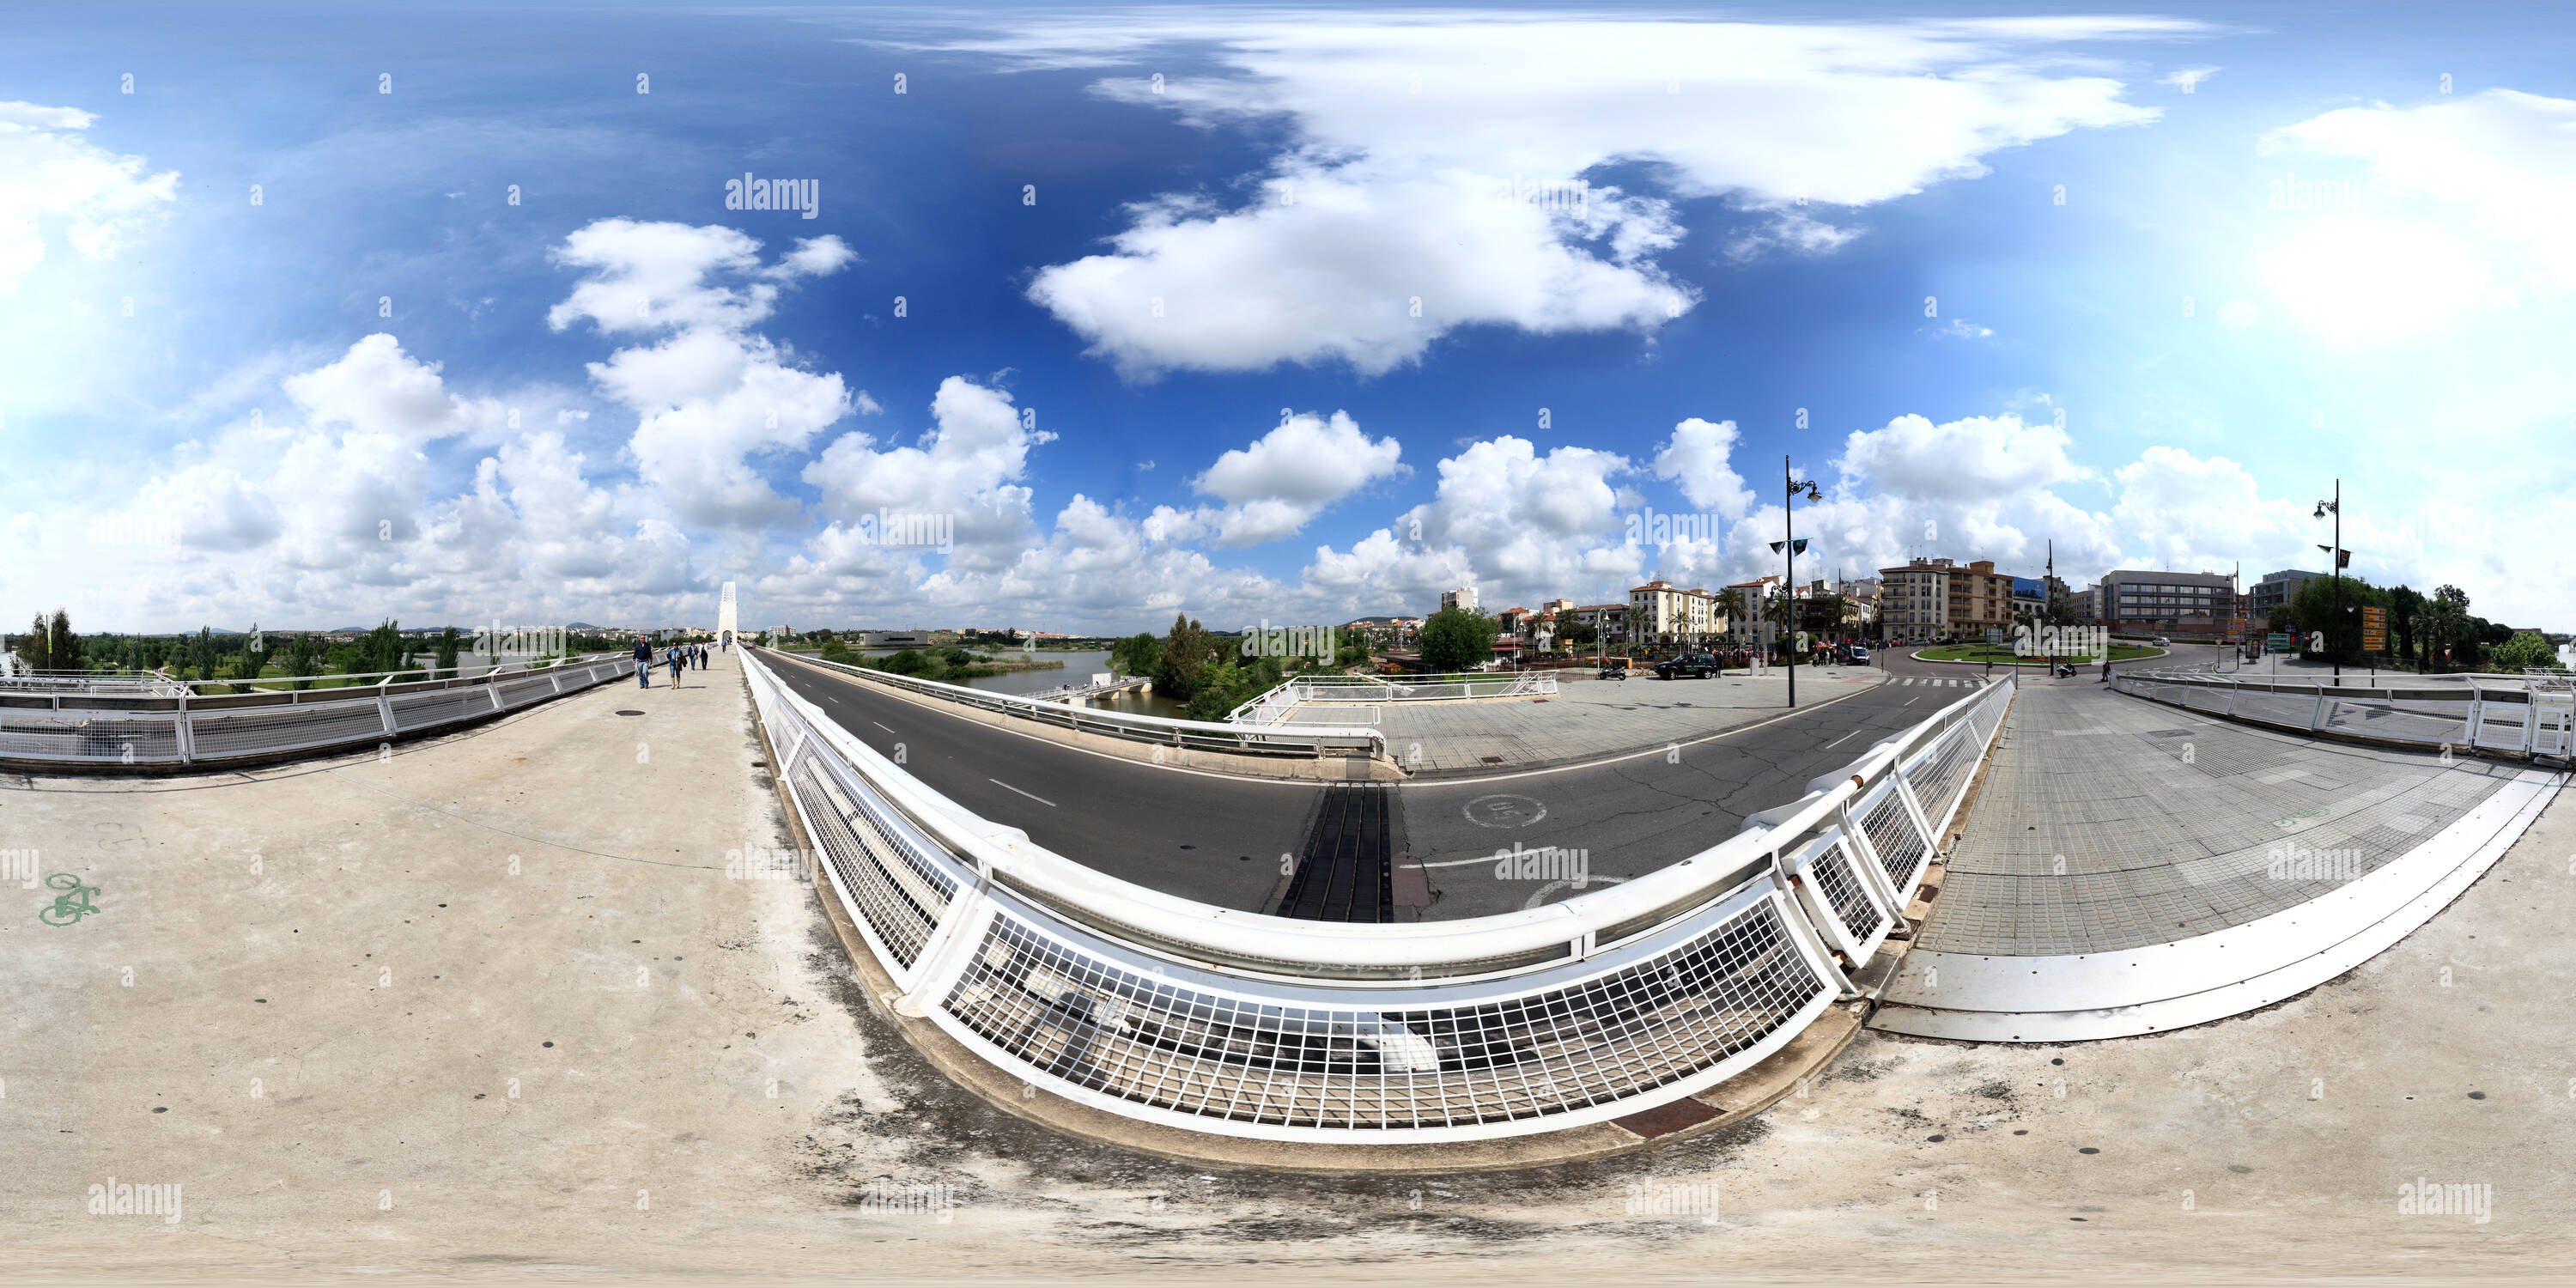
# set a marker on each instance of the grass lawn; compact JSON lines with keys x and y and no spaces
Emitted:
{"x":2006,"y":657}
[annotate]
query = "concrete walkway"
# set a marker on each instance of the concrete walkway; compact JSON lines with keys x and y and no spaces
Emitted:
{"x":2129,"y":868}
{"x":2107,"y":822}
{"x":384,"y":1141}
{"x":1589,"y":719}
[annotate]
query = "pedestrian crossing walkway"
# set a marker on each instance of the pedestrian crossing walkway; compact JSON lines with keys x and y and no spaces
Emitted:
{"x":1939,"y":681}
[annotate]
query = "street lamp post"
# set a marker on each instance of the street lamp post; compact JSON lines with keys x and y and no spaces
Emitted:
{"x":2334,"y":561}
{"x":1789,"y":546}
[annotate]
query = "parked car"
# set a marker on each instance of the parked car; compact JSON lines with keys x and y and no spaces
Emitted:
{"x":1697,"y":665}
{"x":1860,"y":654}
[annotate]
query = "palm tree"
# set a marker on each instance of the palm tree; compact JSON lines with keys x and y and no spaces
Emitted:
{"x":2443,"y":621}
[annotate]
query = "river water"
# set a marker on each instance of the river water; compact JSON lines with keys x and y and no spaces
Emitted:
{"x":1079,"y":667}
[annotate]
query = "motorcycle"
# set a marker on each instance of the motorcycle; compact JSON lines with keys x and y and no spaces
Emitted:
{"x":2061,"y":670}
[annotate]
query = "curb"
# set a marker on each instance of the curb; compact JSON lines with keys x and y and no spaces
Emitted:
{"x":1731,"y":1102}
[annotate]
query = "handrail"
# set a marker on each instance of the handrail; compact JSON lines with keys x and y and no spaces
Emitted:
{"x":1221,"y":935}
{"x":1205,"y":1019}
{"x":1201,"y":733}
{"x":1273,"y":705}
{"x":261,"y":684}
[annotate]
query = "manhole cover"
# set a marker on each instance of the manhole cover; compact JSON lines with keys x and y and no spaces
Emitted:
{"x":630,"y":713}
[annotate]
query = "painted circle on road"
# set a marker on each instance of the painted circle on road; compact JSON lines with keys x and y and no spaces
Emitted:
{"x":1503,"y":811}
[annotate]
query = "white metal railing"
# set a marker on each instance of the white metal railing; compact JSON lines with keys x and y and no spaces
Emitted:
{"x":1210,"y":1019}
{"x":185,"y":726}
{"x":1273,"y":706}
{"x":1207,"y":735}
{"x":2533,"y":715}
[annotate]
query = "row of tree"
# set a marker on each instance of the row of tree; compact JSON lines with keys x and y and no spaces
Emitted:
{"x":1207,"y":672}
{"x":2431,"y":633}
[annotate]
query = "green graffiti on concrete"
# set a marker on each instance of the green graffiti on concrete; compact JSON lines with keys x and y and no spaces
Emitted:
{"x":72,"y":904}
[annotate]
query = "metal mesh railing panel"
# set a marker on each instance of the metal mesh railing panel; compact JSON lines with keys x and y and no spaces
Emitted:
{"x":1070,"y":1014}
{"x":518,"y":693}
{"x":82,"y":736}
{"x":902,"y":917}
{"x":421,"y":710}
{"x":1842,"y":889}
{"x":285,"y":728}
{"x":1902,"y":849}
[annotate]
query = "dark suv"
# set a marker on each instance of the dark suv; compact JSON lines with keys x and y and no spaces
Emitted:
{"x":1700,"y":665}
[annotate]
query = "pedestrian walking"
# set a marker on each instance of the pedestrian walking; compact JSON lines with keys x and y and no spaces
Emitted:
{"x":675,"y":666}
{"x":643,"y":664}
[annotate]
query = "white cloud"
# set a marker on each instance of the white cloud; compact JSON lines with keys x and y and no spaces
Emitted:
{"x":1403,"y":130}
{"x":1355,"y":264}
{"x":1289,"y":475}
{"x":2507,"y":158}
{"x":968,"y":468}
{"x":2188,"y":79}
{"x":1696,"y":455}
{"x":1963,"y":460}
{"x":52,"y":175}
{"x":376,"y":388}
{"x":712,"y":396}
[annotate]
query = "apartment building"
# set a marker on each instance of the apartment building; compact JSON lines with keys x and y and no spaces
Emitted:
{"x":2167,"y":603}
{"x":1929,"y":598}
{"x":2275,"y":591}
{"x":1609,"y":621}
{"x":1463,"y":597}
{"x":1662,"y":613}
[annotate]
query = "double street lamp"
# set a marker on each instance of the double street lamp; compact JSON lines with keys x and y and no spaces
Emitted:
{"x":1790,"y":547}
{"x":2338,"y":555}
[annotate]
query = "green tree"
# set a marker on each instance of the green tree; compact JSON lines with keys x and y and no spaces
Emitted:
{"x":2443,"y":621}
{"x":1181,"y":667}
{"x":1457,"y":639}
{"x":33,"y":648}
{"x":2405,"y":607}
{"x":382,"y":650}
{"x":304,"y":657}
{"x":2524,"y":650}
{"x":447,"y":653}
{"x":63,"y":647}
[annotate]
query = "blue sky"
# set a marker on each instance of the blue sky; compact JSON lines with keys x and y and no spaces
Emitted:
{"x":2242,"y":252}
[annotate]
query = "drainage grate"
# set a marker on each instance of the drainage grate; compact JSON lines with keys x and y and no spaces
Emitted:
{"x":1346,"y":871}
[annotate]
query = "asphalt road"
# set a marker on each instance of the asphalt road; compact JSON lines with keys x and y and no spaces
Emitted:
{"x":1220,"y":839}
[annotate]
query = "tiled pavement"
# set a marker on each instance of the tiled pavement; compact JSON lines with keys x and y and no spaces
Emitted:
{"x":1591,"y":718}
{"x":2110,"y":822}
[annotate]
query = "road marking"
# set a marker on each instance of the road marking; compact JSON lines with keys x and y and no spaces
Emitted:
{"x":1911,"y":701}
{"x":1839,"y":741}
{"x":1031,"y":795}
{"x":887,"y":728}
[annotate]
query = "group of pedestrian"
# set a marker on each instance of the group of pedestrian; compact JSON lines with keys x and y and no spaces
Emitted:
{"x":679,"y":657}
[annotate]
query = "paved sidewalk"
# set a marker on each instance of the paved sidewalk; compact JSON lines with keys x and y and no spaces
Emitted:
{"x":1588,"y":718}
{"x":2111,"y":822}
